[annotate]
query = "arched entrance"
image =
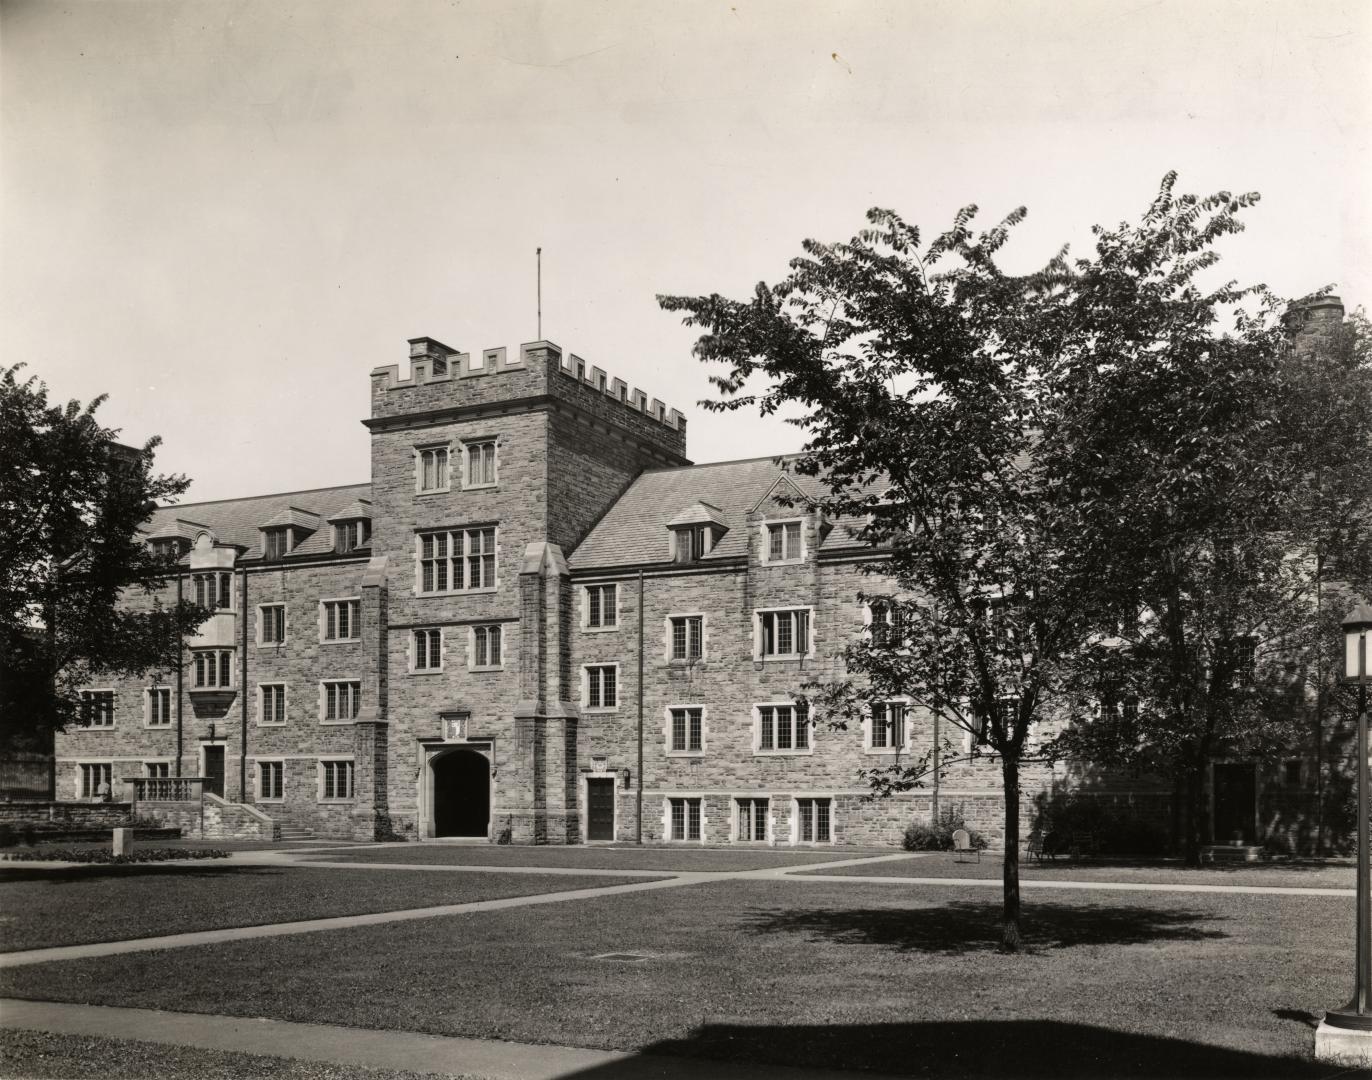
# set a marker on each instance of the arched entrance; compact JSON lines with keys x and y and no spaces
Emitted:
{"x":462,"y":793}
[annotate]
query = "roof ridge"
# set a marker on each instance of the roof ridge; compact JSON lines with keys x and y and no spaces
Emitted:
{"x":735,"y":461}
{"x":270,"y":495}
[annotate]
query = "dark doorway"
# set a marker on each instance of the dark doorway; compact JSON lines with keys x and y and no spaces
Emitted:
{"x":462,"y":794}
{"x":214,"y":770}
{"x":1236,"y":800}
{"x":600,"y":806}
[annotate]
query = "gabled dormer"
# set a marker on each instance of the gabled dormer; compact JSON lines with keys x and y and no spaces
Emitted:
{"x":173,"y":539}
{"x":352,"y":526}
{"x":789,"y":527}
{"x":695,"y":531}
{"x":287,"y":531}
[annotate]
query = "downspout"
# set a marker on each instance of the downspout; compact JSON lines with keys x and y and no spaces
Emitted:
{"x":243,"y":690}
{"x":180,"y":668}
{"x":638,"y":817}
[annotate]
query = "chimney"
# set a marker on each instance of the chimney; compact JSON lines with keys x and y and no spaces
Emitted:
{"x":1314,"y":317}
{"x":432,"y":350}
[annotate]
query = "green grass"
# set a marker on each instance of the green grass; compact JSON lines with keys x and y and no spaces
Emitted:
{"x":41,"y":1054}
{"x":904,"y":980}
{"x":944,"y":864}
{"x":592,"y":858}
{"x":40,"y":908}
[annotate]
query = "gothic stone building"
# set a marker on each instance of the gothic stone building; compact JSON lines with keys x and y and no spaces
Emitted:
{"x":537,"y":618}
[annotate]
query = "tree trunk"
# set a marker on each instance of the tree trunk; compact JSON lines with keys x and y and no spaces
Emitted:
{"x":1192,"y":837}
{"x":1010,"y":929}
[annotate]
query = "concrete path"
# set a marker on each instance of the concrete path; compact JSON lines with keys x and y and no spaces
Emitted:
{"x":1039,"y":883}
{"x":380,"y":1049}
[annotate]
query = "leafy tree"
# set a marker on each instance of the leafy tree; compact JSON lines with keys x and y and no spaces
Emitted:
{"x":918,"y":372}
{"x":71,"y":502}
{"x":1213,"y":478}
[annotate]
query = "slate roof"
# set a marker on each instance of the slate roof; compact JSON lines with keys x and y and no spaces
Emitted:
{"x":634,"y":531}
{"x":237,"y":521}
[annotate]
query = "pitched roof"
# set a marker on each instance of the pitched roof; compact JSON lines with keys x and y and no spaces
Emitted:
{"x":237,"y":521}
{"x":635,"y":530}
{"x":293,"y":515}
{"x":358,"y":508}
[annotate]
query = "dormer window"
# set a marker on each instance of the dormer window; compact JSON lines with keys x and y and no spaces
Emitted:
{"x":784,"y":542}
{"x":692,"y":543}
{"x":276,"y":543}
{"x":169,"y":548}
{"x":351,"y":535}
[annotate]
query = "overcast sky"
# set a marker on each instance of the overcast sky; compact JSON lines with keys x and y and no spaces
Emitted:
{"x":225,"y":214}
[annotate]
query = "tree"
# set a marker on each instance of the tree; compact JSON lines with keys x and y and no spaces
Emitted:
{"x":1214,"y":476}
{"x":918,"y":372}
{"x":71,"y":502}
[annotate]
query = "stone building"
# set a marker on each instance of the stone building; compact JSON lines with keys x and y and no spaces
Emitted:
{"x":538,"y":618}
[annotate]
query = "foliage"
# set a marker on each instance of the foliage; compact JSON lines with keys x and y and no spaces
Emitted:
{"x":938,"y":835}
{"x":1063,"y":816}
{"x":104,"y":855}
{"x":71,"y":503}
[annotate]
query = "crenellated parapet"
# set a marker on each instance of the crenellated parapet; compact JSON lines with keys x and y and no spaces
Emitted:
{"x":443,"y":378}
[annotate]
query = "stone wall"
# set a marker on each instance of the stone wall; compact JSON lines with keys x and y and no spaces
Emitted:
{"x":74,"y":815}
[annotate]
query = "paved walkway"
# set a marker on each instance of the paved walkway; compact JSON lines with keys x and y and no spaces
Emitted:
{"x":366,"y":1048}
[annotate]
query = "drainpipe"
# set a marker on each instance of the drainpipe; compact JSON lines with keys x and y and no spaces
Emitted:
{"x":243,"y":690}
{"x":180,"y":668}
{"x":638,"y":818}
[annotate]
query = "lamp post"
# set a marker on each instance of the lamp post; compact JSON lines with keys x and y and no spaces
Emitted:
{"x":1345,"y":1036}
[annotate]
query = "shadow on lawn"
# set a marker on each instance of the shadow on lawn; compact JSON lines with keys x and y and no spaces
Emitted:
{"x":66,"y":875}
{"x":965,"y":926}
{"x":965,"y":1049}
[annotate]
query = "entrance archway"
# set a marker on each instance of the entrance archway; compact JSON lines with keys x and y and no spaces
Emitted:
{"x":462,"y":793}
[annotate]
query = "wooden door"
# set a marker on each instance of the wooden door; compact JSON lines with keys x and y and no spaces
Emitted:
{"x":214,"y":770}
{"x":600,"y":804}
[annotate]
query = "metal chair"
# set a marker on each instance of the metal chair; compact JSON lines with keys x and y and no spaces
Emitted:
{"x":962,"y":845}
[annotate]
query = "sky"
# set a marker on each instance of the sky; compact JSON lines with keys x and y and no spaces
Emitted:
{"x":225,"y":214}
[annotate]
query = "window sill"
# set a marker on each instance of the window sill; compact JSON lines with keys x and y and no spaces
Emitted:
{"x":96,"y":727}
{"x":426,"y":671}
{"x":784,"y":562}
{"x":157,"y":727}
{"x":600,"y":629}
{"x":887,"y":751}
{"x":784,"y":753}
{"x":271,"y":723}
{"x":487,"y":667}
{"x":334,"y":802}
{"x":272,"y":802}
{"x":783,"y":656}
{"x":681,"y":662}
{"x":271,"y":644}
{"x":685,"y":753}
{"x":482,"y":487}
{"x":455,"y":592}
{"x":338,"y":723}
{"x":597,"y":709}
{"x":433,"y":491}
{"x":341,"y":641}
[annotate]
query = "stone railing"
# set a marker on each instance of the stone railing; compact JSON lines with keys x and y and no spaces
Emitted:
{"x":165,"y":788}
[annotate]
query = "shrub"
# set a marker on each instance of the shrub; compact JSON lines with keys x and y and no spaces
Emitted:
{"x":104,"y":855}
{"x":938,"y":836}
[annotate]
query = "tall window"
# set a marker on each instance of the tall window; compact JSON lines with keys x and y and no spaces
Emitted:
{"x":97,"y":708}
{"x":433,"y":469}
{"x":272,"y":623}
{"x":686,"y":730}
{"x":602,"y":607}
{"x":486,"y":647}
{"x":457,"y":560}
{"x":335,"y":780}
{"x":813,"y":821}
{"x":213,"y":591}
{"x":213,"y":669}
{"x":783,"y":542}
{"x":783,"y":728}
{"x":888,"y":725}
{"x":271,"y":779}
{"x":888,"y":627}
{"x":342,"y":620}
{"x":685,"y":814}
{"x":752,"y":818}
{"x":602,"y":691}
{"x":159,"y":706}
{"x":273,"y":703}
{"x":784,"y":633}
{"x":93,"y":774}
{"x":341,"y":699}
{"x":688,"y":637}
{"x":427,"y":650}
{"x":480,"y":463}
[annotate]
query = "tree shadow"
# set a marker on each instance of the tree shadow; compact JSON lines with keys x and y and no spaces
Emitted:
{"x":963,"y":926}
{"x":967,"y":1050}
{"x":67,"y":875}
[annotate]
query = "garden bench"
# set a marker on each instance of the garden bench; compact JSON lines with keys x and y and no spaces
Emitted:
{"x":962,"y":845}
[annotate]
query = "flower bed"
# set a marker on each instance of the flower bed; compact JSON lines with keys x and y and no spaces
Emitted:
{"x":104,"y":855}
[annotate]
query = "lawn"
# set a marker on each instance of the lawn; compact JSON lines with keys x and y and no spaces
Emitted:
{"x":42,"y":1055}
{"x":594,"y":858}
{"x":70,"y":906}
{"x":944,"y":864}
{"x":855,"y":975}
